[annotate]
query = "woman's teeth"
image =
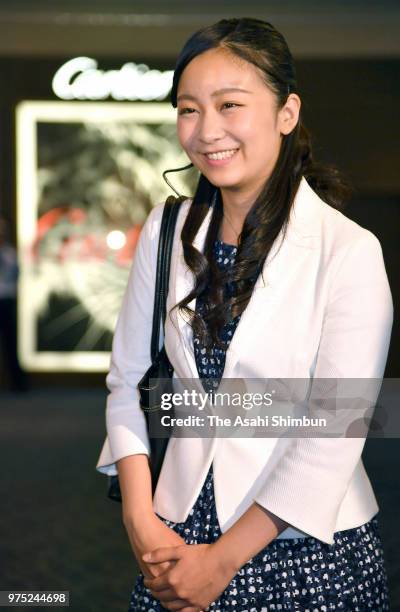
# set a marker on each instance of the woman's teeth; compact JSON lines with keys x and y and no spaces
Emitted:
{"x":221,"y":154}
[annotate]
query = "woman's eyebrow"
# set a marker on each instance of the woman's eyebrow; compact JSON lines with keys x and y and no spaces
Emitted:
{"x":217,"y":92}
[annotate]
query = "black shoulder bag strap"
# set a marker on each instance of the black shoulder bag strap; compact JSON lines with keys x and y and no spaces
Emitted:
{"x":167,"y":230}
{"x":158,"y":378}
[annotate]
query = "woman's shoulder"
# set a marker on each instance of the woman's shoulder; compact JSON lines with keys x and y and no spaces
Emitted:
{"x":154,"y":217}
{"x":333,"y":226}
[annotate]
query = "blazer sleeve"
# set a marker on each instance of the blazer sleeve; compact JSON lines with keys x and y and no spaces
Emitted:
{"x":310,"y":479}
{"x":130,"y":357}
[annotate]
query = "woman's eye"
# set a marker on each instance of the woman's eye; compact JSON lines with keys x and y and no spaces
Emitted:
{"x":186,"y":111}
{"x":230,"y":105}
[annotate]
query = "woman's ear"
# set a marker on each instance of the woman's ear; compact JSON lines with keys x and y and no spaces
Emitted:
{"x":288,"y":115}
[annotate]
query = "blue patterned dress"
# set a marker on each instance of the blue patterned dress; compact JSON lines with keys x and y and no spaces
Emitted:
{"x":302,"y":574}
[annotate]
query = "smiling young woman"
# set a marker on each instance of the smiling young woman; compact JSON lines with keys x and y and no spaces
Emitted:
{"x":268,"y":280}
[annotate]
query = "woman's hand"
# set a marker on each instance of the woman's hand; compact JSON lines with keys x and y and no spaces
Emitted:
{"x":147,"y":534}
{"x":197,"y":576}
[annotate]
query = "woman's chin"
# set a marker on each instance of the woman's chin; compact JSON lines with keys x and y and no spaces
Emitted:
{"x":223,"y":182}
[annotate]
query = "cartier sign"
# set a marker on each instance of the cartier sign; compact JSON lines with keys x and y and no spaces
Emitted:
{"x":81,"y":79}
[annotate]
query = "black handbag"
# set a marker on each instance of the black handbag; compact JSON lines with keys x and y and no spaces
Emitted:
{"x":158,"y":378}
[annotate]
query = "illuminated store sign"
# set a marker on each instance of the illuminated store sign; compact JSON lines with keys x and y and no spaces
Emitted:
{"x":88,"y":173}
{"x":80,"y":79}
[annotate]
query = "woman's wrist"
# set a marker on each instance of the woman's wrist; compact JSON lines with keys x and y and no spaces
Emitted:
{"x":225,"y":557}
{"x":254,"y":530}
{"x":138,"y":517}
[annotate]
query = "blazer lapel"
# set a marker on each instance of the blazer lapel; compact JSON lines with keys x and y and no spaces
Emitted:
{"x":302,"y":230}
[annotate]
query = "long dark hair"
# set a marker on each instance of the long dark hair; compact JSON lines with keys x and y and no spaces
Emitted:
{"x":259,"y":43}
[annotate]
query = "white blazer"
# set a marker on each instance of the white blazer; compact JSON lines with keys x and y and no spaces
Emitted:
{"x":325,"y":311}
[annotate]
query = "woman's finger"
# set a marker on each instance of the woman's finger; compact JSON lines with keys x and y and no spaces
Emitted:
{"x":159,"y":569}
{"x":168,"y":595}
{"x":159,"y":584}
{"x":164,"y":553}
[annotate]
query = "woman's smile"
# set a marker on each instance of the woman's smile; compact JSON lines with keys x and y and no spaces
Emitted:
{"x":220,"y":158}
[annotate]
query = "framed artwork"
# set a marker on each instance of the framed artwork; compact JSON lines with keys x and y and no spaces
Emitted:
{"x":87,"y":176}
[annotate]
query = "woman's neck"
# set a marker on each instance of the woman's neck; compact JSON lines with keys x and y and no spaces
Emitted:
{"x":236,"y":205}
{"x":229,"y":232}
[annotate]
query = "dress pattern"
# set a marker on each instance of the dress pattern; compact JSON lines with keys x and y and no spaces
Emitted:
{"x":301,"y":574}
{"x":210,"y":362}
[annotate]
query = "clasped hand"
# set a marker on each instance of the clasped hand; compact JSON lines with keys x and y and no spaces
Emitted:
{"x":193,"y":582}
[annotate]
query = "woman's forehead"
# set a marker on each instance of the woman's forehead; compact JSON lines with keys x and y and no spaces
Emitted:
{"x":217,"y":70}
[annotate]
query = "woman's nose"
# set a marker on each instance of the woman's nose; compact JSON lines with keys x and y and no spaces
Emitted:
{"x":210,"y":128}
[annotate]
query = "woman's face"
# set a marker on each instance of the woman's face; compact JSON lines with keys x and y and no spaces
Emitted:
{"x":228,"y":121}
